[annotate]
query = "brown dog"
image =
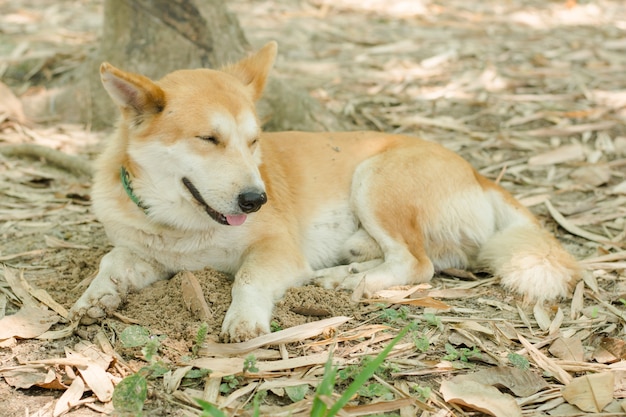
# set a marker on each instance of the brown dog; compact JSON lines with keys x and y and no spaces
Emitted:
{"x":189,"y":181}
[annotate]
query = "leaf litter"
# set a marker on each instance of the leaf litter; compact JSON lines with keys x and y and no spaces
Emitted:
{"x":532,"y":93}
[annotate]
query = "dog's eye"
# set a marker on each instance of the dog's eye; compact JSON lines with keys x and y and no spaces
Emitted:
{"x":254,"y":142}
{"x":210,"y":138}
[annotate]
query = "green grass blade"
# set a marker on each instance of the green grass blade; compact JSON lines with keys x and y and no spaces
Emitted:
{"x":325,"y":388}
{"x":209,"y":410}
{"x":365,"y":375}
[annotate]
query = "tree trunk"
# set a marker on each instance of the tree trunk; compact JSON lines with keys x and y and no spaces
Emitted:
{"x":154,"y":37}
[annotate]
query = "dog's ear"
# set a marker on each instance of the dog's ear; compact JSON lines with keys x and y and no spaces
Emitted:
{"x":135,"y":94}
{"x":253,"y":71}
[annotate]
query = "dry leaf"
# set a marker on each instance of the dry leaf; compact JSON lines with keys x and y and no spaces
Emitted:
{"x":544,"y":362}
{"x":96,"y":378}
{"x":172,"y":380}
{"x":572,"y":228}
{"x":565,"y":153}
{"x":293,"y":334}
{"x":220,"y":367}
{"x":568,"y":349}
{"x":11,"y":106}
{"x":479,"y":397}
{"x":91,"y":351}
{"x":24,"y":376}
{"x":616,"y":346}
{"x":426,"y":302}
{"x":378,"y":408}
{"x":594,"y":175}
{"x":70,"y":397}
{"x":590,"y":393}
{"x":53,"y":242}
{"x":27,"y":323}
{"x":620,"y":188}
{"x":193,"y":296}
{"x":522,"y":383}
{"x":542,"y":316}
{"x":555,"y":326}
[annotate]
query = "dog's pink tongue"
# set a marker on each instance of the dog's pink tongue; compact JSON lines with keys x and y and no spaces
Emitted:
{"x":235,"y":219}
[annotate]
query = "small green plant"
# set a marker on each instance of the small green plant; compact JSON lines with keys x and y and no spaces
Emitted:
{"x":375,"y":390}
{"x":275,"y":327}
{"x":395,"y":315}
{"x":461,"y":354}
{"x":325,"y":388}
{"x":203,"y":330}
{"x":230,"y":383}
{"x":518,"y":361}
{"x":130,"y":394}
{"x":249,"y":364}
{"x":422,"y":393}
{"x":421,"y":342}
{"x":258,"y":398}
{"x":297,"y":393}
{"x":432,"y":320}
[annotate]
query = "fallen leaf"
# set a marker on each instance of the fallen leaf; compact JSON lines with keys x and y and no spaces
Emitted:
{"x":615,"y":346}
{"x":520,"y":382}
{"x":172,"y":380}
{"x":193,"y":296}
{"x":426,"y":302}
{"x":545,"y":363}
{"x":570,"y":349}
{"x":103,"y":360}
{"x":70,"y":397}
{"x":620,"y":188}
{"x":11,"y":106}
{"x":594,"y":175}
{"x":590,"y":393}
{"x":542,"y":316}
{"x":24,"y":376}
{"x":27,"y":323}
{"x":565,"y":153}
{"x":94,"y":376}
{"x":293,"y":334}
{"x":479,"y":397}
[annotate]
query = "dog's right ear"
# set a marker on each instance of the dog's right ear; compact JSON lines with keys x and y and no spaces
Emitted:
{"x":135,"y":94}
{"x":254,"y":70}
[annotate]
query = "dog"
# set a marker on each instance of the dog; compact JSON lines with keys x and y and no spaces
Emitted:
{"x":190,"y":181}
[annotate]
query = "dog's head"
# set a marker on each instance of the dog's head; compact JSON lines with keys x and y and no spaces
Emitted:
{"x":191,"y":140}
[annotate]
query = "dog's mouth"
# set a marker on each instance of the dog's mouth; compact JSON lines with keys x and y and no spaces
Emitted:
{"x":225,"y":219}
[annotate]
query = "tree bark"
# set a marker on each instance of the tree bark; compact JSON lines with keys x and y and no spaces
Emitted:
{"x":154,"y":37}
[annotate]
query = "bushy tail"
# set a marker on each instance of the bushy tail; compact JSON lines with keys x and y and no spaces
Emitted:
{"x":528,"y":259}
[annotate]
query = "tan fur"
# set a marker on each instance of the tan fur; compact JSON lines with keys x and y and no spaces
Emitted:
{"x":347,"y":210}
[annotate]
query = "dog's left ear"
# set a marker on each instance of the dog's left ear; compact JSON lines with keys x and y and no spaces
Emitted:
{"x":253,"y":71}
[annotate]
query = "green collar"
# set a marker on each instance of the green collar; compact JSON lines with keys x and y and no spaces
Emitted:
{"x":126,"y":183}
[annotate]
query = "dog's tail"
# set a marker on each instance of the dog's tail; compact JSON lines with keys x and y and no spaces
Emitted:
{"x":527,"y":259}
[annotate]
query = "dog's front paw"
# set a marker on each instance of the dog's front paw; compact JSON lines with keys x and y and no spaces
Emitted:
{"x":241,"y":324}
{"x":99,"y":300}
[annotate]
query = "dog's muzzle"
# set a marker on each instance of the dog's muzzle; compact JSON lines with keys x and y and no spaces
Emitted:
{"x":248,"y":202}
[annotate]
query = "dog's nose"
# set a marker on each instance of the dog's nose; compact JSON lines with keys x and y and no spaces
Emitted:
{"x":249,"y":202}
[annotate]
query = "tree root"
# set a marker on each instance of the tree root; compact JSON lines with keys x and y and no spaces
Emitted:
{"x":73,"y":164}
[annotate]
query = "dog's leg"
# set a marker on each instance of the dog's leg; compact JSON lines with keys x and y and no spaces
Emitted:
{"x":121,"y":271}
{"x":270,"y":267}
{"x":360,"y":253}
{"x":388,"y":212}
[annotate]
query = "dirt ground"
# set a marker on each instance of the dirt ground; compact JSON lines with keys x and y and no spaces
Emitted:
{"x":533,"y":93}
